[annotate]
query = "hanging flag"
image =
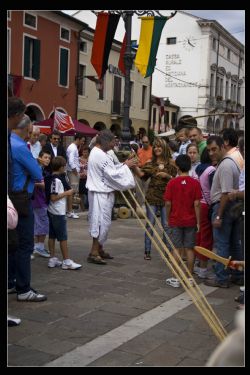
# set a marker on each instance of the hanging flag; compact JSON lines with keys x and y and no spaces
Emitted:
{"x":121,"y":64}
{"x":104,"y":34}
{"x":150,"y":35}
{"x":62,"y":122}
{"x":160,"y":103}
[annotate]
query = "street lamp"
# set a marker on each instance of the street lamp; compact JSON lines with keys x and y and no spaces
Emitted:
{"x":128,"y":59}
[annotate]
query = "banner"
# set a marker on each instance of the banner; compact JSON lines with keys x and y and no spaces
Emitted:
{"x":121,"y":64}
{"x":104,"y":34}
{"x":62,"y":122}
{"x":150,"y":35}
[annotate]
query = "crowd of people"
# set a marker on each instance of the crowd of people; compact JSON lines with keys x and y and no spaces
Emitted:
{"x":195,"y":185}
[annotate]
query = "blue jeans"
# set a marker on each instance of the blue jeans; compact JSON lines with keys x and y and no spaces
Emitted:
{"x":19,"y":267}
{"x":226,"y":242}
{"x":151,"y":218}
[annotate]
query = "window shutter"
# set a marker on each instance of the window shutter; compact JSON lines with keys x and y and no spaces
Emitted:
{"x":36,"y":60}
{"x":26,"y":56}
{"x":63,"y":67}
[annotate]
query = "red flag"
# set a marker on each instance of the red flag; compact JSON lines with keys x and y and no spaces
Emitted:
{"x":121,"y":64}
{"x":62,"y":122}
{"x":160,"y":103}
{"x":104,"y":34}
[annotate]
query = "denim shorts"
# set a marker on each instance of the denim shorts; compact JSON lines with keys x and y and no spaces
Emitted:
{"x":57,"y":227}
{"x":183,"y":237}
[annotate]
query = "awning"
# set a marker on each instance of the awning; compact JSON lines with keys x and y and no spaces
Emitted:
{"x":46,"y":127}
{"x":166,"y":134}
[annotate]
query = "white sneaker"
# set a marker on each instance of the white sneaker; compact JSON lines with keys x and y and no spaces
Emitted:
{"x":202,"y":273}
{"x":173,"y":282}
{"x":72,"y":215}
{"x":54,"y":262}
{"x":68,"y":264}
{"x":197,"y":270}
{"x":242,"y":288}
{"x":41,"y":252}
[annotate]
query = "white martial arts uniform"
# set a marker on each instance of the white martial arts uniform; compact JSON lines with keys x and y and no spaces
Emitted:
{"x":103,"y":178}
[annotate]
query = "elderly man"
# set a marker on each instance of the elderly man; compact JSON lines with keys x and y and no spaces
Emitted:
{"x":24,"y":169}
{"x":34,"y":144}
{"x":195,"y":135}
{"x":103,"y":178}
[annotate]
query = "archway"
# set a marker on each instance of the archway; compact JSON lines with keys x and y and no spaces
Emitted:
{"x":184,"y":122}
{"x":35,"y":112}
{"x":210,"y":125}
{"x":217,"y":126}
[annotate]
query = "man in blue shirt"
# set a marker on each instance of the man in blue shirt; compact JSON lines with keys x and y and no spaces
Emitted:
{"x":23,"y":165}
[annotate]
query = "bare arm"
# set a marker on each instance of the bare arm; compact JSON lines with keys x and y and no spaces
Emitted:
{"x":57,"y":197}
{"x":197,"y":206}
{"x":168,"y":206}
{"x":223,"y":201}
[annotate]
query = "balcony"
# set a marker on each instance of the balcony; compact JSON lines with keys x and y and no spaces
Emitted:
{"x":117,"y":108}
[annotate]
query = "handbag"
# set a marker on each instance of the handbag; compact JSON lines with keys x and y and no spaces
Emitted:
{"x":21,"y":200}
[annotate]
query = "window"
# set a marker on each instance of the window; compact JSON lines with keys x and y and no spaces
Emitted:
{"x":173,"y":119}
{"x":8,"y":15}
{"x":238,"y":95}
{"x":101,"y":91}
{"x":241,"y":62}
{"x":64,"y":66}
{"x":31,"y":58}
{"x":81,"y":80}
{"x":30,"y":20}
{"x":166,"y":117}
{"x":144,"y":96}
{"x":226,"y":93}
{"x":231,"y":93}
{"x":228,"y":54}
{"x":65,"y":34}
{"x":171,"y":40}
{"x":221,"y":87}
{"x":212,"y":85}
{"x":217,"y":86}
{"x":154,"y":116}
{"x":83,"y":46}
{"x":116,"y":105}
{"x":214,"y":44}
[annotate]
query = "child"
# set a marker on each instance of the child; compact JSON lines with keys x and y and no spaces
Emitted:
{"x":41,"y":221}
{"x":185,"y":141}
{"x":182,"y":196}
{"x":193,"y":153}
{"x":56,"y":191}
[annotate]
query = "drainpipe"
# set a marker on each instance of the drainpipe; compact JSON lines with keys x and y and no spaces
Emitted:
{"x":217,"y":61}
{"x":78,"y":69}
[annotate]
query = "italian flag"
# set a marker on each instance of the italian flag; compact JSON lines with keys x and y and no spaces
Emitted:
{"x":151,"y":29}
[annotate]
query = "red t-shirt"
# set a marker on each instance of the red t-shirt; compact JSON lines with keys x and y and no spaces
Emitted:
{"x":182,"y":191}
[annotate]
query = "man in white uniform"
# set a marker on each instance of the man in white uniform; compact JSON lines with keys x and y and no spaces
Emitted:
{"x":103,"y":178}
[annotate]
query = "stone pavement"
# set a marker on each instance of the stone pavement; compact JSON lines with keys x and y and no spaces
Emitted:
{"x":119,"y":314}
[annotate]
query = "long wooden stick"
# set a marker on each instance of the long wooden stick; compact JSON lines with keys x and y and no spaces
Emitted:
{"x":217,"y":327}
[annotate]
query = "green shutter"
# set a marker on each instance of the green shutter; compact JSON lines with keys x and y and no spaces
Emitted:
{"x":36,"y":59}
{"x":63,"y":67}
{"x":26,"y":56}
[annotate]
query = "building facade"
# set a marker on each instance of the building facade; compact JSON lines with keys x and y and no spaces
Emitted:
{"x":106,"y":104}
{"x":43,"y":61}
{"x":203,"y":72}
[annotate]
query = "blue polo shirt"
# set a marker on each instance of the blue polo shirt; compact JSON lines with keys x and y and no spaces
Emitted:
{"x":23,"y":164}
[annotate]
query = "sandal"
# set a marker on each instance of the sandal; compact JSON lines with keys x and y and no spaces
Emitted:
{"x":147,"y":256}
{"x":96,"y":259}
{"x":105,"y":255}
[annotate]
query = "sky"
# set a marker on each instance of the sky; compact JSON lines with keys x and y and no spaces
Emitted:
{"x":232,"y":20}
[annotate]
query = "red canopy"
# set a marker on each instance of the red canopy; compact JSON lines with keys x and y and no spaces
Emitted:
{"x":46,"y":127}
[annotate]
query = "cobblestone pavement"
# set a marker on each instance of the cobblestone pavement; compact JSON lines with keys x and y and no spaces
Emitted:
{"x":119,"y":314}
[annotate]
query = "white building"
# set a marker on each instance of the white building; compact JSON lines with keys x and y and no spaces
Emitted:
{"x":209,"y":63}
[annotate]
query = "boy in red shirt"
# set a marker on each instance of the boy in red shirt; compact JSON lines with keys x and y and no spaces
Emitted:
{"x":182,"y":196}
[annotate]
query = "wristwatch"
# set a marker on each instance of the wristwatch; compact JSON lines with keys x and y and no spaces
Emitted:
{"x":217,"y":218}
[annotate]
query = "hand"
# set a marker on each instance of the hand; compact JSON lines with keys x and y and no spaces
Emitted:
{"x":198,"y":227}
{"x":232,"y":195}
{"x":217,"y":223}
{"x":69,"y":192}
{"x":131,"y":162}
{"x":163,"y":175}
